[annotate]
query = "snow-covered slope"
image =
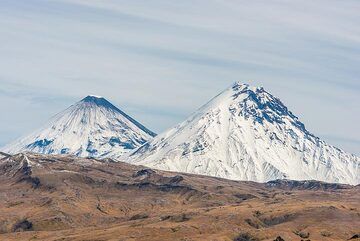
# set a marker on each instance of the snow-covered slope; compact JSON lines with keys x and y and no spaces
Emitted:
{"x":92,"y":127}
{"x":245,"y":133}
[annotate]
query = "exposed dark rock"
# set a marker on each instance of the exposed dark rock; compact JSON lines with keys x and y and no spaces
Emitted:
{"x":245,"y":237}
{"x":356,"y":236}
{"x":176,"y":179}
{"x":4,"y":154}
{"x":244,"y":196}
{"x":180,"y":189}
{"x":40,"y":143}
{"x":305,"y":185}
{"x":253,"y":223}
{"x":176,"y":218}
{"x":99,"y":207}
{"x":33,"y":181}
{"x":23,"y":225}
{"x":279,"y":238}
{"x":166,"y":217}
{"x":271,"y":221}
{"x":257,"y":213}
{"x":139,"y":216}
{"x":143,"y":172}
{"x":302,"y":234}
{"x":152,"y":186}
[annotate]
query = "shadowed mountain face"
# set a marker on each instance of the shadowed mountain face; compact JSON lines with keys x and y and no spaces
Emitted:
{"x":92,"y":127}
{"x":45,"y":197}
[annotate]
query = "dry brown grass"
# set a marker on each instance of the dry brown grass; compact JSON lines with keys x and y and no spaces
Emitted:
{"x":82,"y":199}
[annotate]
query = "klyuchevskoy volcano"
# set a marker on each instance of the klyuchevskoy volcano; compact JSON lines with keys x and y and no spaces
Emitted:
{"x":245,"y":133}
{"x":92,"y":127}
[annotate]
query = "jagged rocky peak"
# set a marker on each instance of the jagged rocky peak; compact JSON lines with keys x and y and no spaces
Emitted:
{"x":240,"y":86}
{"x":97,"y":100}
{"x":259,"y":99}
{"x":91,"y":127}
{"x":257,"y":103}
{"x":92,"y":98}
{"x":246,"y":133}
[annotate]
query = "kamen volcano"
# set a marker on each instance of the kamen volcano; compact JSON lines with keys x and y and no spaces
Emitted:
{"x":245,"y":133}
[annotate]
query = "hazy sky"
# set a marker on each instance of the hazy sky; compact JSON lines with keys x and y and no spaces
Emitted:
{"x":160,"y":60}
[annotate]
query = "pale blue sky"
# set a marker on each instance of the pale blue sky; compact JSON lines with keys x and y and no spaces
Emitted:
{"x":160,"y":60}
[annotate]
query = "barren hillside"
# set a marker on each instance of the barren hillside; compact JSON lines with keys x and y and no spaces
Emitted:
{"x":68,"y":198}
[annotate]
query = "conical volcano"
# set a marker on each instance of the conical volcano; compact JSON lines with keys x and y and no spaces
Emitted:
{"x":245,"y":133}
{"x":92,"y":127}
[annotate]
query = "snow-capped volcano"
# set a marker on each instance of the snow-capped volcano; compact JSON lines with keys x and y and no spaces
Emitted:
{"x":92,"y":127}
{"x":245,"y":133}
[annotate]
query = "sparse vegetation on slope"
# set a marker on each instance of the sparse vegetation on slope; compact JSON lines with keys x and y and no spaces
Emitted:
{"x":89,"y":199}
